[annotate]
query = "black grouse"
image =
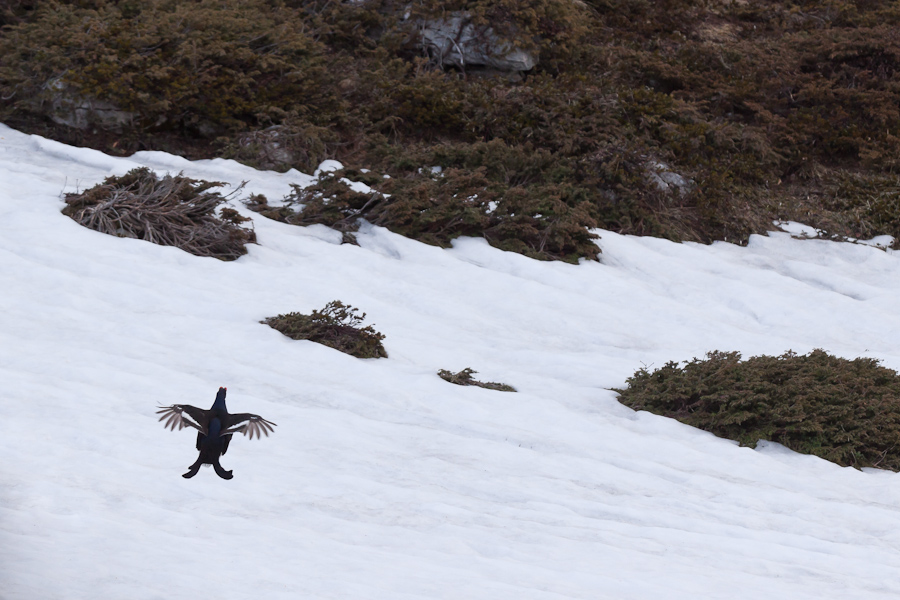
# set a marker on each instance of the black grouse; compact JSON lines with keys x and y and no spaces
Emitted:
{"x":215,"y":428}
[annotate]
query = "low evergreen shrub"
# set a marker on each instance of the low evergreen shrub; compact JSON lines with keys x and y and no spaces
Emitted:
{"x":548,"y":222}
{"x":845,"y":411}
{"x":169,"y":210}
{"x":337,"y":326}
{"x":464,"y":377}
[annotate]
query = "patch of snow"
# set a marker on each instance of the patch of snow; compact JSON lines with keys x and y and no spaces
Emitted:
{"x":802,"y":231}
{"x":797,"y":229}
{"x":357,"y":186}
{"x":879,"y":241}
{"x":328,"y":166}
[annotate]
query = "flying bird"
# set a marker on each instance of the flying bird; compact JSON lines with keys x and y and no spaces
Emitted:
{"x":215,"y":428}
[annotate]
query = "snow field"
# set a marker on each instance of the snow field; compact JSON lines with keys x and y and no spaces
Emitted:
{"x":381,"y":480}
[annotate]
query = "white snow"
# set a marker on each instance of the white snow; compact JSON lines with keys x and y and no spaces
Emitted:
{"x":328,"y":166}
{"x":801,"y":231}
{"x":798,"y":229}
{"x":879,"y":241}
{"x":381,"y":480}
{"x":357,"y":186}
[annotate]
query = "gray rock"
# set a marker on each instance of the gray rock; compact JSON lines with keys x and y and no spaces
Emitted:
{"x":73,"y":110}
{"x":666,"y":180}
{"x":457,"y":42}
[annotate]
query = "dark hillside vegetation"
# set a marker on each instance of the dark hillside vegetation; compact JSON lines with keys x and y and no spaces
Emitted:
{"x":685,"y":119}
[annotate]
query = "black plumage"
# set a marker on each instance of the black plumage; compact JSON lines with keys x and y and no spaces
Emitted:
{"x":215,"y":428}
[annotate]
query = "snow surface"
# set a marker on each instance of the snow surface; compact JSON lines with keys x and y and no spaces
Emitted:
{"x":799,"y":230}
{"x":381,"y":480}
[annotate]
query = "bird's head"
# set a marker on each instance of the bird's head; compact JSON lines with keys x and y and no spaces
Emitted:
{"x":219,"y":404}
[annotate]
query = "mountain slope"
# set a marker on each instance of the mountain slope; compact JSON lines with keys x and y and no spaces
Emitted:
{"x":382,"y":480}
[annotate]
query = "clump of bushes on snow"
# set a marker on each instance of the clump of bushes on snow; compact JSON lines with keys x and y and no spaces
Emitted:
{"x":845,"y":411}
{"x":169,"y":210}
{"x":330,"y":201}
{"x":337,"y":325}
{"x":546,"y":221}
{"x":464,"y":377}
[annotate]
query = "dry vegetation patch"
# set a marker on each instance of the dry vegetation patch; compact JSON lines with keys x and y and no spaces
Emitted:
{"x":337,"y":326}
{"x":172,"y":210}
{"x":464,"y":377}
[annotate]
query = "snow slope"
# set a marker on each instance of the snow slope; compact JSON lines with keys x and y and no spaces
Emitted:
{"x":382,"y":481}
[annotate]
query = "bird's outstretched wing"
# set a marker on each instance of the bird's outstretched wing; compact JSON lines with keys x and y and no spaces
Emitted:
{"x":175,"y":417}
{"x":248,"y":425}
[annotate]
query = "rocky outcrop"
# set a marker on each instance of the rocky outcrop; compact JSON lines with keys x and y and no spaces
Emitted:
{"x":457,"y":42}
{"x":659,"y":174}
{"x":73,"y":110}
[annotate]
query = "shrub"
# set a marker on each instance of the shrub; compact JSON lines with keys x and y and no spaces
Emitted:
{"x":168,"y":210}
{"x":845,"y":411}
{"x":548,"y":222}
{"x":464,"y":377}
{"x":336,"y":326}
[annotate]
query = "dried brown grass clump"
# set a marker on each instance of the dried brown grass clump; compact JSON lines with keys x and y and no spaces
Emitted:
{"x":337,"y":326}
{"x":169,"y":211}
{"x":464,"y":377}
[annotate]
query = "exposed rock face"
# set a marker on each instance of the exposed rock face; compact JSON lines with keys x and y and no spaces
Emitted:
{"x":457,"y":42}
{"x":666,"y":180}
{"x":71,"y":109}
